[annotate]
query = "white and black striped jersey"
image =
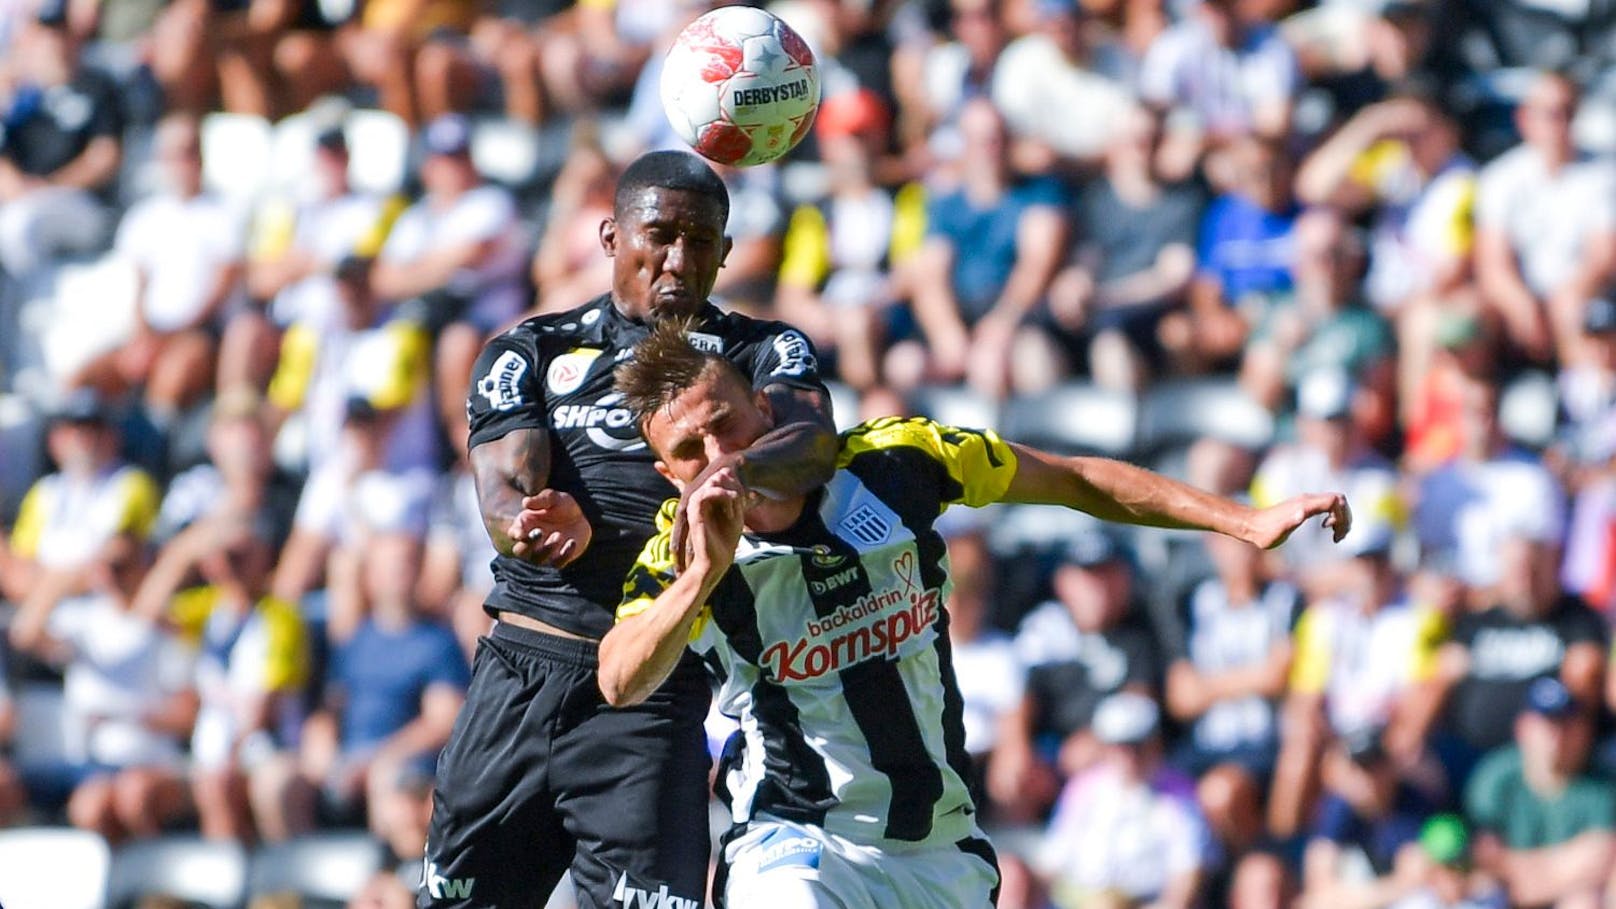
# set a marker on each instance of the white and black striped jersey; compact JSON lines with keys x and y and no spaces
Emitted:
{"x":832,"y":645}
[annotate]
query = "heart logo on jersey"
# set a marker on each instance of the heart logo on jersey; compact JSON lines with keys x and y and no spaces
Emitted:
{"x":904,"y":565}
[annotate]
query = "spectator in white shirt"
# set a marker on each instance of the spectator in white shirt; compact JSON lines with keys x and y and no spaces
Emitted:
{"x":187,"y":246}
{"x":1127,"y":828}
{"x":1545,"y":225}
{"x":459,"y":253}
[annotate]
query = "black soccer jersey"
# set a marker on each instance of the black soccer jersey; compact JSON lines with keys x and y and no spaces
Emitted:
{"x":555,"y":372}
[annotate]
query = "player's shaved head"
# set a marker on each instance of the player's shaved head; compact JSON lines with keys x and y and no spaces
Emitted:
{"x":674,"y":170}
{"x":666,"y":365}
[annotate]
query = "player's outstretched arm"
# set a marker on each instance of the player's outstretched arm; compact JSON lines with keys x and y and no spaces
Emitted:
{"x":642,"y":649}
{"x":1121,"y":492}
{"x":524,"y":519}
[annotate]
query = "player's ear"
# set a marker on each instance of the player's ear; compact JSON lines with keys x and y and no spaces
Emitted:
{"x":764,"y":406}
{"x":662,"y":468}
{"x":729,"y":244}
{"x":608,"y":236}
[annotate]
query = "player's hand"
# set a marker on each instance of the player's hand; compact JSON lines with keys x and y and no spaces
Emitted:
{"x":1274,"y":525}
{"x":717,"y":513}
{"x":550,"y":529}
{"x":681,"y":517}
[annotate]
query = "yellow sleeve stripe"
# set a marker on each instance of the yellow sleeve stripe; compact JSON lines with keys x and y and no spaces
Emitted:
{"x":805,"y":256}
{"x":286,"y":663}
{"x":1460,"y":234}
{"x":189,"y":610}
{"x":1311,"y":670}
{"x":30,"y":526}
{"x":295,"y":370}
{"x":1430,"y":630}
{"x":908,"y":223}
{"x":978,"y":460}
{"x":405,"y":369}
{"x":139,"y":493}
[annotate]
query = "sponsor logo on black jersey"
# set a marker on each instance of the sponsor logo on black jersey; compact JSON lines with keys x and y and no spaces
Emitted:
{"x":606,"y":422}
{"x":502,"y":386}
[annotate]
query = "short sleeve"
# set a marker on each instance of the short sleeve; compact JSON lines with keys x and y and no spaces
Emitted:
{"x":448,"y":663}
{"x":295,"y":371}
{"x":979,"y":464}
{"x":1158,"y":71}
{"x":1484,"y":794}
{"x":654,"y":571}
{"x":1581,"y":625}
{"x":30,"y":526}
{"x":1310,"y":671}
{"x":140,"y":504}
{"x":286,"y":663}
{"x":784,"y":356}
{"x":106,"y":119}
{"x":1430,"y":632}
{"x":505,"y":394}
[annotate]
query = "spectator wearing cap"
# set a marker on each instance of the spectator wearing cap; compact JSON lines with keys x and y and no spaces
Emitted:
{"x":459,"y":254}
{"x":297,"y":246}
{"x":1127,"y":829}
{"x":1531,"y":629}
{"x":394,"y":686}
{"x":187,"y":246}
{"x":60,"y":146}
{"x":1329,"y":449}
{"x":1399,"y":162}
{"x":1545,"y":226}
{"x":1243,"y":262}
{"x":1088,"y":642}
{"x":128,"y":702}
{"x":1544,"y":821}
{"x":992,"y":246}
{"x":1051,"y":69}
{"x":1443,"y":875}
{"x":1491,"y":491}
{"x":363,"y":385}
{"x":1360,"y":648}
{"x":842,"y":269}
{"x":1229,"y":655}
{"x":69,"y":518}
{"x":1133,"y":260}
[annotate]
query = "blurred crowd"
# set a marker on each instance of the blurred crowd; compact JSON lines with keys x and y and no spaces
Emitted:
{"x":249,"y":250}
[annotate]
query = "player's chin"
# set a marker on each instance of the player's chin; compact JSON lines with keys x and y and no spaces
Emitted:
{"x":675,"y":305}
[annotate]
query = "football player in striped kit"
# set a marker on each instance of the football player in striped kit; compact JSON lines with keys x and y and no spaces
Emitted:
{"x":822,"y":614}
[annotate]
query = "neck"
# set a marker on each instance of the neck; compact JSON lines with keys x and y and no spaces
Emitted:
{"x":775,"y":515}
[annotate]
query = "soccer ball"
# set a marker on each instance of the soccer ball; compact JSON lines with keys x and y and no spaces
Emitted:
{"x":740,"y":86}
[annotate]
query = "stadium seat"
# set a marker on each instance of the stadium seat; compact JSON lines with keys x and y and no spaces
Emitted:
{"x":1529,"y":410}
{"x":52,"y":868}
{"x":506,"y":151}
{"x":292,"y":152}
{"x":210,"y":873}
{"x":1075,"y":418}
{"x":1176,"y":413}
{"x":236,"y":154}
{"x":378,"y":151}
{"x":955,"y":406}
{"x":320,"y":868}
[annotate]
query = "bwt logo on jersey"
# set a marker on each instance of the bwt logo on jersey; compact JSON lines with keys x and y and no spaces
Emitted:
{"x":607,"y":424}
{"x":769,"y":94}
{"x":630,"y":896}
{"x":502,"y":386}
{"x":835,"y":582}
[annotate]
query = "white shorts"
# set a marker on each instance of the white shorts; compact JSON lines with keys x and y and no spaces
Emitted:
{"x":784,"y":865}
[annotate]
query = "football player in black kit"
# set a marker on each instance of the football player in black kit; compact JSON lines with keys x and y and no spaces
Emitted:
{"x":540,"y":775}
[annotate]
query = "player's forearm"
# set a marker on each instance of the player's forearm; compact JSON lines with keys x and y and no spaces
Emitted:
{"x":1120,"y":492}
{"x":790,"y":460}
{"x":506,"y":471}
{"x":641,"y":651}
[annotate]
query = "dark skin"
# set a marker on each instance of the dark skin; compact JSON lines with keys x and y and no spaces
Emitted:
{"x":666,"y":247}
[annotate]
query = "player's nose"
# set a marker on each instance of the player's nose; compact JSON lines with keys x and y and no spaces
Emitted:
{"x":673,"y":260}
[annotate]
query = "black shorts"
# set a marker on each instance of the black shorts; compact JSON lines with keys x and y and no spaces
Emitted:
{"x":540,"y":776}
